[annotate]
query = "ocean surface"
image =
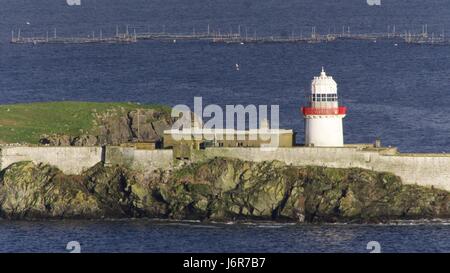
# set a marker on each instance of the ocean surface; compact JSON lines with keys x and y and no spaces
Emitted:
{"x":398,"y":93}
{"x":165,"y":236}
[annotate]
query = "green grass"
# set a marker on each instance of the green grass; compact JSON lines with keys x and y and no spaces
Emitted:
{"x":26,"y":123}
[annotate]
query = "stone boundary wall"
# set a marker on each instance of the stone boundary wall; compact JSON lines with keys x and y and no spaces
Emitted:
{"x":139,"y":160}
{"x":75,"y":160}
{"x":70,"y":160}
{"x":424,"y":170}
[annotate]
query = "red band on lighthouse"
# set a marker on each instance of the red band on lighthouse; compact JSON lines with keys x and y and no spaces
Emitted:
{"x":341,"y":110}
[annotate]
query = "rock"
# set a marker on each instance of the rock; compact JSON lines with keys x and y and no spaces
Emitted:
{"x":31,"y":191}
{"x":112,"y":188}
{"x":219,"y":189}
{"x":141,"y":125}
{"x":117,"y":126}
{"x":113,"y":129}
{"x":85,"y":140}
{"x":159,"y":126}
{"x":348,"y":205}
{"x":232,"y":189}
{"x":56,"y":140}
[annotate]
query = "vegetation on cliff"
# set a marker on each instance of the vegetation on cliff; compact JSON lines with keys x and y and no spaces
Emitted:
{"x":220,"y":189}
{"x":81,"y":123}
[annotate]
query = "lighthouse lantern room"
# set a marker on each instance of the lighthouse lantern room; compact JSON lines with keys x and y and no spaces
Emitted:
{"x":323,"y":116}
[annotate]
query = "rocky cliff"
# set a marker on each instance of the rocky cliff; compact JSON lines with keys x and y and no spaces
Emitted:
{"x":115,"y":126}
{"x":221,"y":189}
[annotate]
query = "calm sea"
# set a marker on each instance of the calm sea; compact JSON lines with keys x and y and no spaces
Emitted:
{"x":399,"y":93}
{"x":164,"y":236}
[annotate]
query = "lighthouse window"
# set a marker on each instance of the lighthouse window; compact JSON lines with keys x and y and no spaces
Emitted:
{"x":324,"y":97}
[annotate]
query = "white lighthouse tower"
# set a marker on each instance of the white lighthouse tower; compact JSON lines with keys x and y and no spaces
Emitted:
{"x":323,"y":116}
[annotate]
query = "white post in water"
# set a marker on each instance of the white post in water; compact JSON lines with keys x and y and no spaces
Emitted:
{"x":323,"y":116}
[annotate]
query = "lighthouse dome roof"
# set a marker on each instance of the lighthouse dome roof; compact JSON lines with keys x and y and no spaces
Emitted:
{"x":323,"y":84}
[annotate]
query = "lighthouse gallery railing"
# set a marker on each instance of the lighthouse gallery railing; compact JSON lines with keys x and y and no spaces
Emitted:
{"x":324,"y":111}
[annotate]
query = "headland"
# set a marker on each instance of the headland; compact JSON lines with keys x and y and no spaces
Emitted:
{"x":94,"y":160}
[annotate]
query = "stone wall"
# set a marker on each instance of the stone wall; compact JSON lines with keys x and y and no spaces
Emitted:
{"x":421,"y":169}
{"x":74,"y":160}
{"x":425,"y":170}
{"x":139,"y":160}
{"x":70,"y":160}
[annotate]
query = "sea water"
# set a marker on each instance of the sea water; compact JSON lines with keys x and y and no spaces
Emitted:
{"x":173,"y":236}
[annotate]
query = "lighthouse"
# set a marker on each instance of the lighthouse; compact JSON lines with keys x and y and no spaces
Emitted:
{"x":323,"y":116}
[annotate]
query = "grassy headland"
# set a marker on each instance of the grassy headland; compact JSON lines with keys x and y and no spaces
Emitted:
{"x":26,"y":123}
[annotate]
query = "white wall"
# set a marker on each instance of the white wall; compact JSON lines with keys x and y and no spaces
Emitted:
{"x":425,"y":170}
{"x":139,"y":160}
{"x":324,"y":131}
{"x":70,"y":160}
{"x":74,"y":160}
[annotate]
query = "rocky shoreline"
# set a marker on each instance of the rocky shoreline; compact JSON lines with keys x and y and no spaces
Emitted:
{"x":217,"y":190}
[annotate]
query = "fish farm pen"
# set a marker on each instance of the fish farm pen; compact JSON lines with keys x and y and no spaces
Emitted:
{"x":235,"y":38}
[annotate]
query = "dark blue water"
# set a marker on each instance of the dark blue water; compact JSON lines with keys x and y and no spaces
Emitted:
{"x":154,"y":236}
{"x":399,"y":93}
